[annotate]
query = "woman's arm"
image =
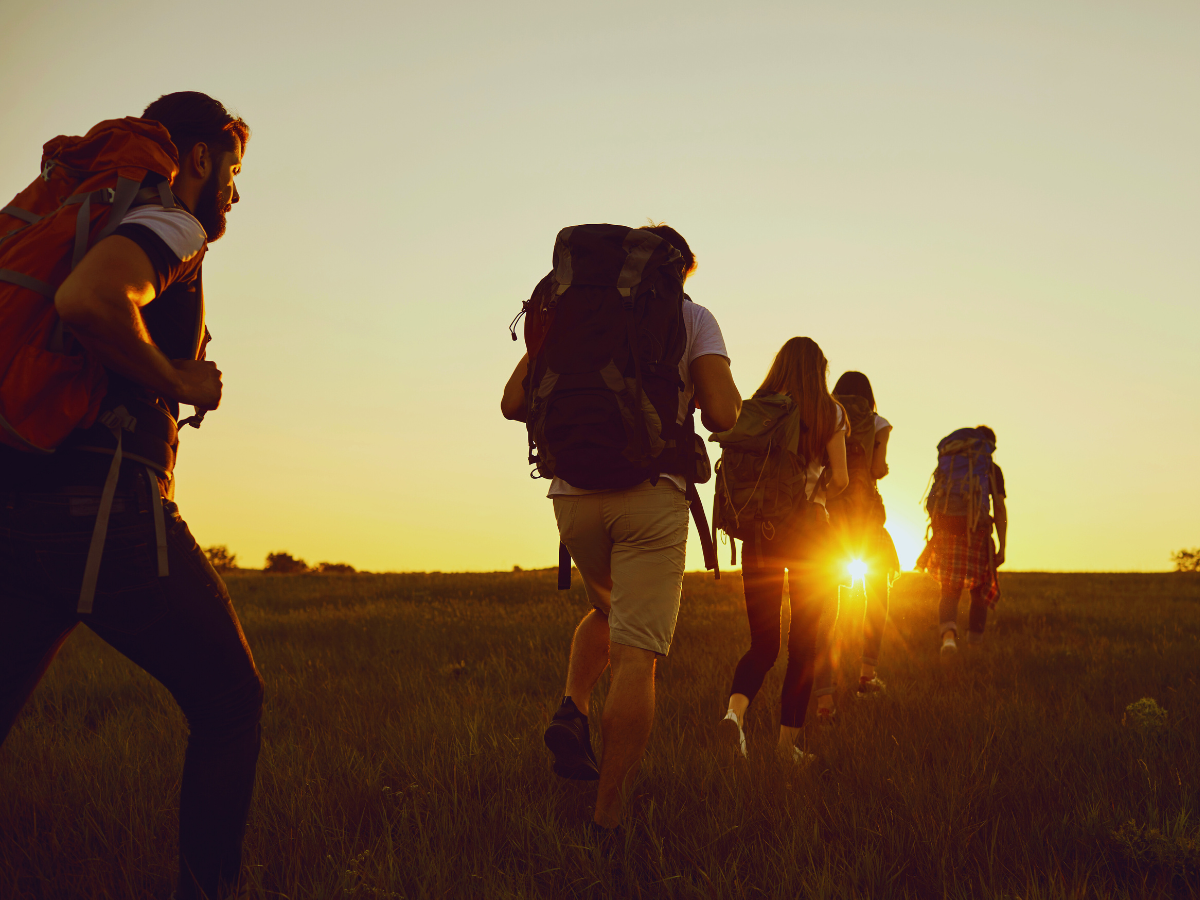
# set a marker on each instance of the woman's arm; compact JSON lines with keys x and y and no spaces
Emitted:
{"x":512,"y":404}
{"x":1001,"y":519}
{"x":879,"y":466}
{"x":836,"y":448}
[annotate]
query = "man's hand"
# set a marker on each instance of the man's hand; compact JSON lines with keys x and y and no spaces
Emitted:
{"x":199,"y":383}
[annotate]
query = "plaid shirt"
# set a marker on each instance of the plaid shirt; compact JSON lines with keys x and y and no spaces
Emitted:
{"x":960,"y":563}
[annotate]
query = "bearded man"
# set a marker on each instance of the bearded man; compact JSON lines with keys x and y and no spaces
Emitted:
{"x":133,"y":302}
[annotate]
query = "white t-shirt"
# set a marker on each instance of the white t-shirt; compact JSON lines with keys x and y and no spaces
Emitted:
{"x":703,"y":339}
{"x":815,"y":468}
{"x":881,"y":424}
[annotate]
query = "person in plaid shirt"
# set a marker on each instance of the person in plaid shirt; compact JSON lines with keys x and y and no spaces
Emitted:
{"x":959,"y":558}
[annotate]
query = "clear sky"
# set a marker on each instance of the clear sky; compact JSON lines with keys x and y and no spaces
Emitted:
{"x":991,"y":209}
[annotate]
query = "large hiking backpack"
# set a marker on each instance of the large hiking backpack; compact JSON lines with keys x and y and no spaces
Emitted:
{"x":962,"y":479}
{"x":605,"y":335}
{"x":762,"y":475}
{"x":50,"y":386}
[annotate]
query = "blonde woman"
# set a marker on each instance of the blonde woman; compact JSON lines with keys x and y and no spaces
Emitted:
{"x":799,"y":373}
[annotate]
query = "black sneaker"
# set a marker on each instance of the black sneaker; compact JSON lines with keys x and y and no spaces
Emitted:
{"x":568,"y":739}
{"x":872,"y":685}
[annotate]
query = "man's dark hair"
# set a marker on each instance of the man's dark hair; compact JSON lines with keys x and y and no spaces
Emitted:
{"x":192,"y":118}
{"x":855,"y":384}
{"x":987,"y":432}
{"x":675,"y":239}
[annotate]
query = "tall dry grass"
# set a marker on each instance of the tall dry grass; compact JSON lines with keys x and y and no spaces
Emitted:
{"x":402,"y":754}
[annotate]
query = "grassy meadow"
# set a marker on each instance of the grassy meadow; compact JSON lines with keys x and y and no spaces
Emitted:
{"x":402,"y":753}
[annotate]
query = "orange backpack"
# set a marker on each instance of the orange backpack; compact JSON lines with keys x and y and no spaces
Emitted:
{"x":50,"y":386}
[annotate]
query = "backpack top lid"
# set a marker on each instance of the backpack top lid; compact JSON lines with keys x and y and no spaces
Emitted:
{"x":607,"y":256}
{"x":127,"y":145}
{"x":759,"y":424}
{"x":966,"y":441}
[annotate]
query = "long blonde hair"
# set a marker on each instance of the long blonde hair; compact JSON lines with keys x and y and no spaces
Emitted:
{"x":800,"y":370}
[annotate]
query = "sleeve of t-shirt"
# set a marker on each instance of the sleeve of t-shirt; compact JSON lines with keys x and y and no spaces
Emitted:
{"x":881,"y":424}
{"x":706,"y":335}
{"x":998,"y":480}
{"x":173,"y":240}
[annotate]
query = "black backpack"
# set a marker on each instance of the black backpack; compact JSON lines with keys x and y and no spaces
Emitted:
{"x":605,"y":335}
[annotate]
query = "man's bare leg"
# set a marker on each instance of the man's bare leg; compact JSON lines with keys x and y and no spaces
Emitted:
{"x":589,"y":659}
{"x":628,"y":715}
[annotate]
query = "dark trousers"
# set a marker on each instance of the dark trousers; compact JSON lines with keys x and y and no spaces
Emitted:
{"x":812,"y":591}
{"x":181,"y":629}
{"x":948,"y":612}
{"x":874,"y":616}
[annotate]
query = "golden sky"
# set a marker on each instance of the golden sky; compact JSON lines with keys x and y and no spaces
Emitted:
{"x":991,"y":209}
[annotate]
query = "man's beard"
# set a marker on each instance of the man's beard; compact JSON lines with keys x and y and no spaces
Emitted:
{"x":210,"y":212}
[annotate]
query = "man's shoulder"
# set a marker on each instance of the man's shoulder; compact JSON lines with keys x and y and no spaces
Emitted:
{"x":177,"y":228}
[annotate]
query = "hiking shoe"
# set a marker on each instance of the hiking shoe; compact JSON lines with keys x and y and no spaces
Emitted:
{"x":568,"y":739}
{"x":731,"y":734}
{"x":872,"y":685}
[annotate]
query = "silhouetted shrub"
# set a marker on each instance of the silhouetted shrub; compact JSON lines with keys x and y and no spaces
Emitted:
{"x":283,"y":563}
{"x":220,"y":557}
{"x":1186,"y":560}
{"x":328,"y":568}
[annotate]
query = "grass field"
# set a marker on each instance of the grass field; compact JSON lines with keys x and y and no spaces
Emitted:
{"x":403,"y":758}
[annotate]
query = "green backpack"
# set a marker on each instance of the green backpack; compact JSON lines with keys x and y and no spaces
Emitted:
{"x":762,"y":475}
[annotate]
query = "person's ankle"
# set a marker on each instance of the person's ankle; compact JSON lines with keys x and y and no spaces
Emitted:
{"x":866,"y":672}
{"x":825,"y":701}
{"x":571,"y":706}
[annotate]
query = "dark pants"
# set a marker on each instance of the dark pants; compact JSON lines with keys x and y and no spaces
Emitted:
{"x":976,"y":620}
{"x":813,"y":592}
{"x":874,"y":616}
{"x":181,"y":629}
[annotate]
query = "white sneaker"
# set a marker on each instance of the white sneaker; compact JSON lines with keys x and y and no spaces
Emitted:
{"x":731,"y":732}
{"x":949,"y":645}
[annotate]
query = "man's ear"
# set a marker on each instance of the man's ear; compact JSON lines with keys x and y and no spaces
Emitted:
{"x":199,"y":161}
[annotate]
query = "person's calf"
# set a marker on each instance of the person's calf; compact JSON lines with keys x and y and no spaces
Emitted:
{"x":628,"y":717}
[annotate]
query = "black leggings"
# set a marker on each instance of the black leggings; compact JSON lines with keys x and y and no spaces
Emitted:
{"x":811,"y":590}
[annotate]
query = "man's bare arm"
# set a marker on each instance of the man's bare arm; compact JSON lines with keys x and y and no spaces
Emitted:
{"x":716,"y":395}
{"x":512,"y":404}
{"x":100,"y":303}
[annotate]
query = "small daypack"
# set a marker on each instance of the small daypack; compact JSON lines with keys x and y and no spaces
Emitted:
{"x":860,"y":453}
{"x":605,"y":335}
{"x":962,"y":479}
{"x":50,"y":386}
{"x":762,"y":476}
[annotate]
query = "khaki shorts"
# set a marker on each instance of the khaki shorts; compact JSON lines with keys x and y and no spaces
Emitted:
{"x":630,"y":546}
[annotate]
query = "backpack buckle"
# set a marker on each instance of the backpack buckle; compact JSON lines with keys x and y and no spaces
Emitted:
{"x":47,"y":168}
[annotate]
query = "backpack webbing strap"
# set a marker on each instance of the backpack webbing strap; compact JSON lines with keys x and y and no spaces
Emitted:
{"x":83,"y":224}
{"x":17,"y":436}
{"x":167,"y":199}
{"x":126,"y":190}
{"x":707,"y":546}
{"x":160,"y":527}
{"x":91,"y":570}
{"x":28,"y":281}
{"x":23,"y":214}
{"x":564,"y":567}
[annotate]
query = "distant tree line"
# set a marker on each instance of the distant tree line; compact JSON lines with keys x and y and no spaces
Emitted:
{"x":281,"y":563}
{"x":1186,"y":560}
